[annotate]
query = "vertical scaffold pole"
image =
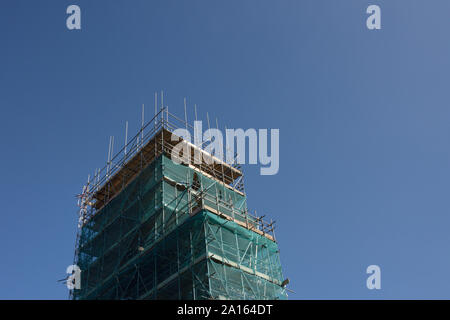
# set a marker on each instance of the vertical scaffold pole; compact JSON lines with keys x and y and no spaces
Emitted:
{"x":162,"y":108}
{"x":109,"y":158}
{"x":185,"y":114}
{"x":142,"y":127}
{"x":126,"y":141}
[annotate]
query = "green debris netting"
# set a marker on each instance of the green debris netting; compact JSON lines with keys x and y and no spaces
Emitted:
{"x":242,"y":264}
{"x":214,"y":195}
{"x":147,"y":244}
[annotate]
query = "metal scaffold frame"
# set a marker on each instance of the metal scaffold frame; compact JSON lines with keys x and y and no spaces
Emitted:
{"x":154,"y":229}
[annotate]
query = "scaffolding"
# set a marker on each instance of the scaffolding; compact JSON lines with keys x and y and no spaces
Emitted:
{"x":154,"y":229}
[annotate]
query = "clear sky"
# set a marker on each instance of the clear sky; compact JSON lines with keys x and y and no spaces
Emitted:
{"x":363,"y":116}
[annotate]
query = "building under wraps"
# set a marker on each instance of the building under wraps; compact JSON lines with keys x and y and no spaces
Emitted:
{"x":154,"y":229}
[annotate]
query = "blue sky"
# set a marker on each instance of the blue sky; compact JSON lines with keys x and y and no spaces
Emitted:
{"x":363,"y":116}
